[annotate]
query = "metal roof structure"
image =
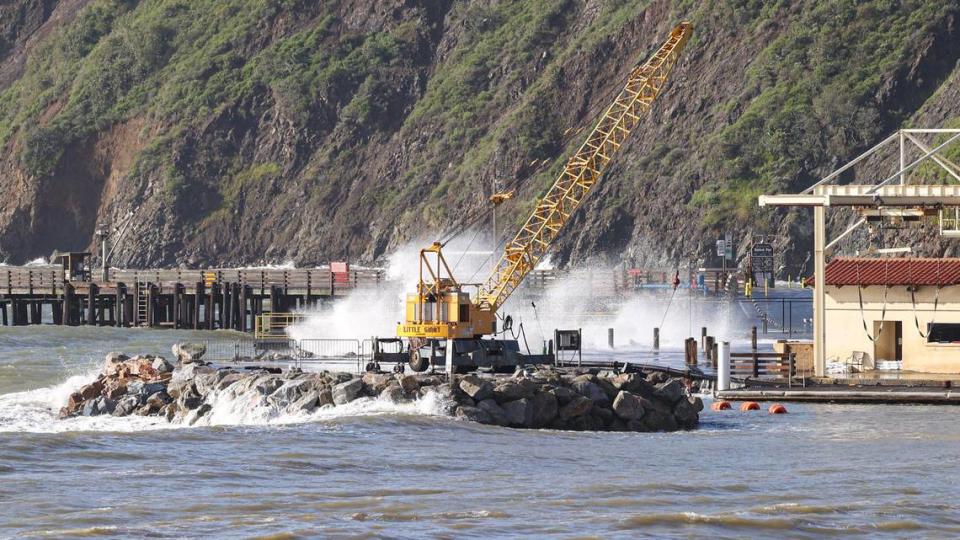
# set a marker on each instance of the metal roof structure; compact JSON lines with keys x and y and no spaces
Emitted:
{"x":895,"y":272}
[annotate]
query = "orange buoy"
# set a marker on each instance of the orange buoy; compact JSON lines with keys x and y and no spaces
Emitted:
{"x":720,"y":406}
{"x":777,"y":408}
{"x":750,"y":406}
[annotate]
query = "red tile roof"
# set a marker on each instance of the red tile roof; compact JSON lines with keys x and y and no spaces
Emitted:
{"x":894,"y":272}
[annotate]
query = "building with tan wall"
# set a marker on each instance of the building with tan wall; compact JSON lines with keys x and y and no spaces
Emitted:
{"x":899,"y":309}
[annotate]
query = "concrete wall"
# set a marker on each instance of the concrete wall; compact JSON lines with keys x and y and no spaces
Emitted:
{"x":845,"y":333}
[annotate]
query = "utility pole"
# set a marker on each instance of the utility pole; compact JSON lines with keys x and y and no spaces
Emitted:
{"x":102,"y":235}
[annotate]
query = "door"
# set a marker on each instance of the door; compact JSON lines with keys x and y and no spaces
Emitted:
{"x":898,"y":332}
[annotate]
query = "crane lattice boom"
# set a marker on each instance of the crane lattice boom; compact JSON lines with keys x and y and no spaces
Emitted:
{"x":582,"y":171}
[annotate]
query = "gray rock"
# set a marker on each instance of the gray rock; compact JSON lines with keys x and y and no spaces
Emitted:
{"x":227,"y":378}
{"x":657,"y":377}
{"x":590,"y":390}
{"x":474,"y":414}
{"x":268,"y":384}
{"x":685,"y":413}
{"x":671,"y":391}
{"x":519,"y":412}
{"x":495,"y":411}
{"x":475,"y":387}
{"x":376,"y":382}
{"x":608,"y":389}
{"x":585,"y":422}
{"x":603,"y":415}
{"x":627,"y":406}
{"x":578,"y":406}
{"x":126,"y":405}
{"x":307,"y":403}
{"x":348,"y":391}
{"x":290,"y":392}
{"x":325,"y":398}
{"x":544,"y":408}
{"x":659,"y":421}
{"x":190,"y":371}
{"x":161,"y":365}
{"x":394,"y":394}
{"x":187,"y":353}
{"x":112,"y":363}
{"x":563,"y":394}
{"x":409,"y":384}
{"x":509,"y":390}
{"x":158,"y":400}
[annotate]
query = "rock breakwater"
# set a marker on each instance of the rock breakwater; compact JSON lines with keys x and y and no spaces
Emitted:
{"x":539,"y":398}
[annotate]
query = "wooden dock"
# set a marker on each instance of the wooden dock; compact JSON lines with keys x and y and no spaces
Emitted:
{"x":224,"y":298}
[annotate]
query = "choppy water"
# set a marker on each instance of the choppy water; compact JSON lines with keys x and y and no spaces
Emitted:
{"x":377,"y":470}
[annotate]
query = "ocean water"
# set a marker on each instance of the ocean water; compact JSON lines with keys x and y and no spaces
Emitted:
{"x":379,"y":470}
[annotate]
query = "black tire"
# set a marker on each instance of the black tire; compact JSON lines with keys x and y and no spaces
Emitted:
{"x":418,"y":363}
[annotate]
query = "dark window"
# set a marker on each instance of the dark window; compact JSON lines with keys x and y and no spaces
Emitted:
{"x":943,"y":333}
{"x":464,"y":315}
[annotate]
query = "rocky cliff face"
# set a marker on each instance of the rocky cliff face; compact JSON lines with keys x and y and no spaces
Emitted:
{"x":246,"y":131}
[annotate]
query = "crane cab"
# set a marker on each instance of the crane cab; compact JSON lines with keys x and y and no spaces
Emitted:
{"x":440,"y":309}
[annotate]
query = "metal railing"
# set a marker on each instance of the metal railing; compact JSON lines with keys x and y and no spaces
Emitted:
{"x":273,"y":326}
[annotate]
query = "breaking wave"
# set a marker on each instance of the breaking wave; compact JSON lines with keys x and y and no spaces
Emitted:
{"x":36,"y":411}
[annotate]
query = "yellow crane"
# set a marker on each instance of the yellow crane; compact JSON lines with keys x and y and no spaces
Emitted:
{"x":442,"y":309}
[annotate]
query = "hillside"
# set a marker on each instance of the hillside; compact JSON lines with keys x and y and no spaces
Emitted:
{"x":244,"y":131}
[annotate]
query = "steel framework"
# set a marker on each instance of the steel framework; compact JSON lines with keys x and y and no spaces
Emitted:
{"x":582,"y":171}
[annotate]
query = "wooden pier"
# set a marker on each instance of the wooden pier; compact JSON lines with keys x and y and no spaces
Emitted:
{"x":174,"y":298}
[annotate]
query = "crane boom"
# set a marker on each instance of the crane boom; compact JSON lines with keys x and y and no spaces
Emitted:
{"x":582,"y":171}
{"x":441,"y":309}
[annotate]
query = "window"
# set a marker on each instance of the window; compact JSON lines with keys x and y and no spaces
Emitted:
{"x":943,"y":333}
{"x":464,"y":315}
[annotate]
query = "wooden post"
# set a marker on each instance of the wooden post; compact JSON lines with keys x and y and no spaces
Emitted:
{"x":177,"y":305}
{"x":244,"y":300}
{"x":151,"y":307}
{"x":708,"y":350}
{"x":221,"y":316}
{"x":656,"y":339}
{"x":36,"y":312}
{"x":208,"y":306}
{"x":118,"y":305}
{"x":3,"y":313}
{"x":703,"y":337}
{"x":274,"y":299}
{"x":713,"y":354}
{"x":197,"y":302}
{"x":68,"y":301}
{"x":237,"y":305}
{"x":56,"y":307}
{"x":92,"y":305}
{"x":610,"y":337}
{"x":129,"y":310}
{"x":753,"y":351}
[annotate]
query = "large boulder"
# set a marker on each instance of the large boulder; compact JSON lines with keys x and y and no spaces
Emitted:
{"x":563,"y":394}
{"x":376,"y":382}
{"x":509,"y":390}
{"x":474,"y":414}
{"x":160,"y":365}
{"x":627,"y":406}
{"x":409,"y":384}
{"x":187,"y":353}
{"x":348,"y":391}
{"x":659,"y":421}
{"x":590,"y":390}
{"x":495,"y":411}
{"x":519,"y":412}
{"x":685,"y":412}
{"x":290,"y":392}
{"x":307,"y":403}
{"x":475,"y":387}
{"x":578,"y":406}
{"x":544,"y":408}
{"x":113,"y":363}
{"x":91,"y":390}
{"x":671,"y":391}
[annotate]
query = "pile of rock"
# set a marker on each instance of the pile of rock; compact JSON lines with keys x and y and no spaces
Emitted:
{"x":581,"y":401}
{"x":542,"y":398}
